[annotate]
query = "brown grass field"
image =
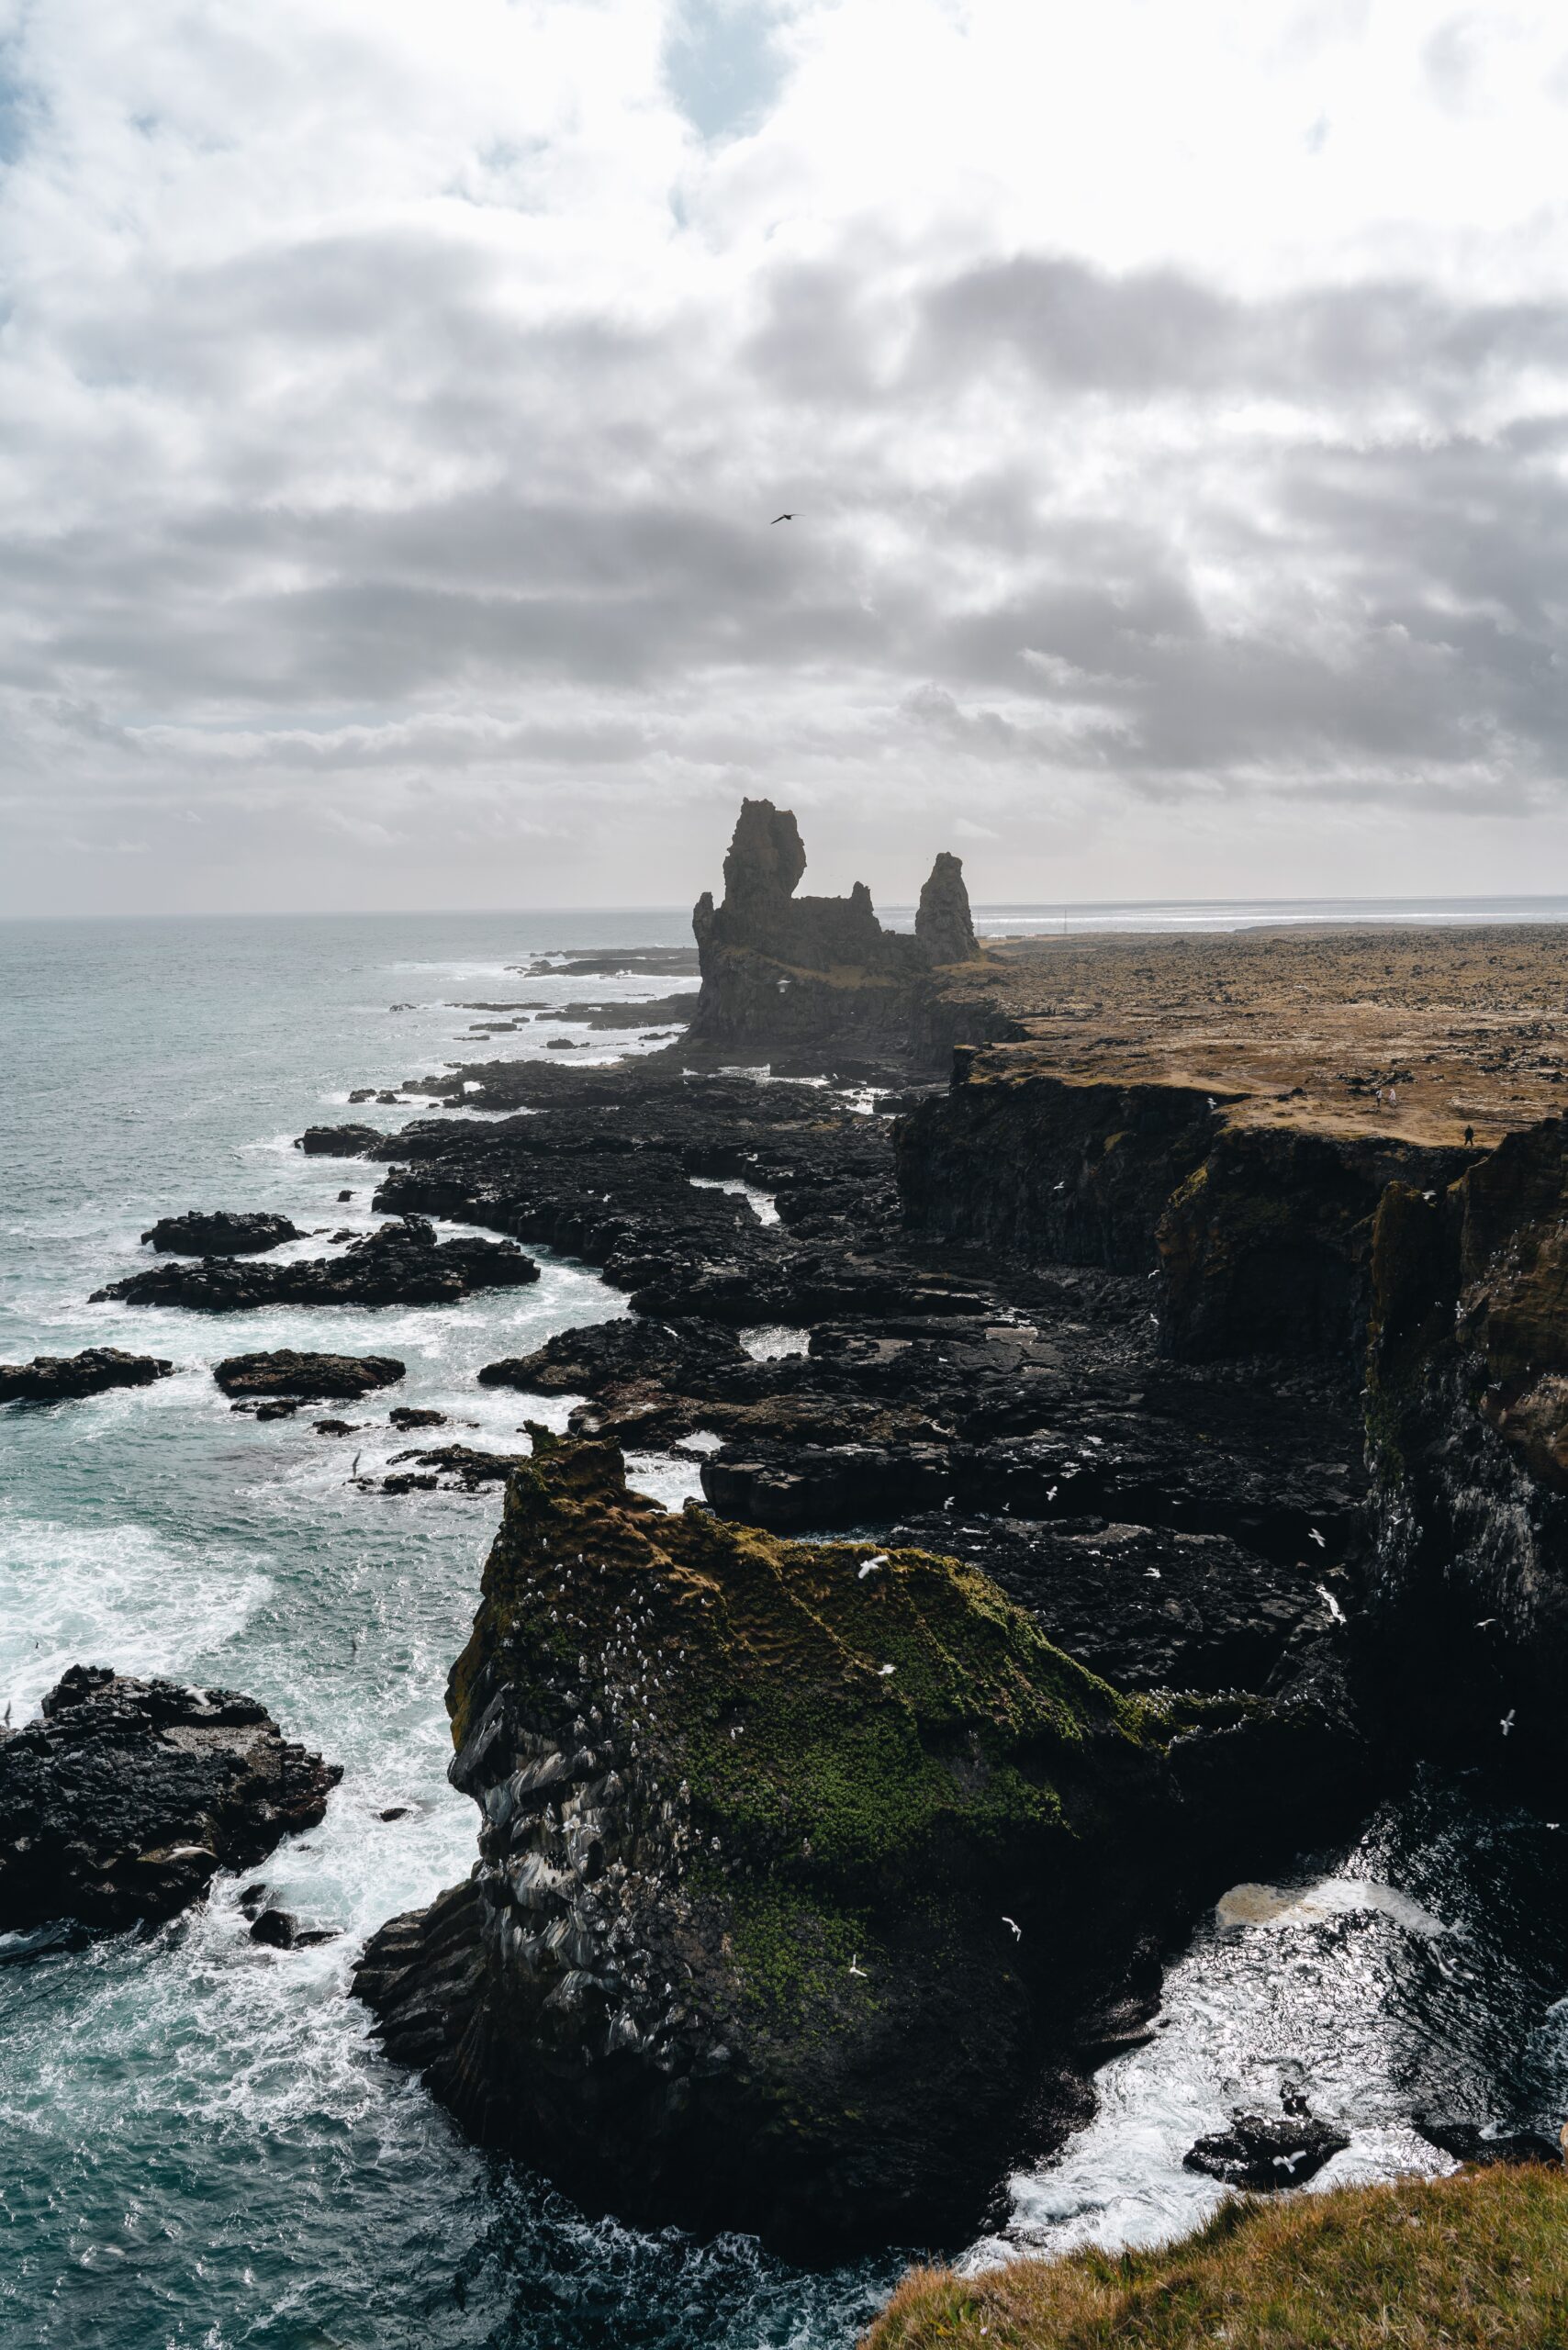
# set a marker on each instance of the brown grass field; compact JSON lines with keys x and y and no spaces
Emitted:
{"x":1478,"y":2261}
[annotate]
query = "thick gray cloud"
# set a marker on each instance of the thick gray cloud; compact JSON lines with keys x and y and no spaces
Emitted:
{"x":387,"y":483}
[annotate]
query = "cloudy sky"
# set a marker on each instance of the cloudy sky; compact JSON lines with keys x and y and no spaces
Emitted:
{"x":1172,"y":401}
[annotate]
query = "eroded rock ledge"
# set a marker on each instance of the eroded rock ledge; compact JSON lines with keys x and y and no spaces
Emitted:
{"x":400,"y":1264}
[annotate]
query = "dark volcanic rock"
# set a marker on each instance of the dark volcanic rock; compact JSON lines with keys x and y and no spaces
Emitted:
{"x":281,"y":1929}
{"x":1468,"y":1417}
{"x":305,"y":1378}
{"x":408,"y":1416}
{"x":125,"y":1797}
{"x":57,"y":1379}
{"x":1261,"y":2153}
{"x":942,"y":924}
{"x":219,"y":1234}
{"x":400,"y":1264}
{"x":809,"y":973}
{"x":1470,"y":2142}
{"x":739,"y":1951}
{"x":338,"y":1142}
{"x":600,"y":1355}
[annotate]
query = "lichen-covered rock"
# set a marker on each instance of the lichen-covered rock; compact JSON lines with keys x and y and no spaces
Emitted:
{"x":124,"y":1798}
{"x":218,"y":1232}
{"x":402,"y":1263}
{"x":281,"y":1371}
{"x":58,"y":1379}
{"x":1468,"y":1422}
{"x":799,"y":1865}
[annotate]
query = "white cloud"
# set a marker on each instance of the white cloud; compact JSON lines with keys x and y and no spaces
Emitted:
{"x":1173,"y":403}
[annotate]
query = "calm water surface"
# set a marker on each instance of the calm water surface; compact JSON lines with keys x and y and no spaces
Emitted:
{"x":198,"y":2143}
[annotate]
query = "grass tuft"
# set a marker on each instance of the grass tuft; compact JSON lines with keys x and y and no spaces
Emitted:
{"x":1475,"y":2262}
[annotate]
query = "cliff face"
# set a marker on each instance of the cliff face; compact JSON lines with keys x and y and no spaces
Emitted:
{"x":798,"y":1864}
{"x":1260,"y":1227}
{"x":785,"y":972}
{"x":1468,"y":1423}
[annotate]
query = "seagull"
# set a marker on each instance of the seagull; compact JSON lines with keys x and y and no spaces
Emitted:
{"x":781,"y":517}
{"x":1017,"y":1928}
{"x":872,"y":1564}
{"x":1506,"y":1723}
{"x":854,"y":1967}
{"x":1481,"y":1622}
{"x":885,"y":1670}
{"x":1312,"y":1536}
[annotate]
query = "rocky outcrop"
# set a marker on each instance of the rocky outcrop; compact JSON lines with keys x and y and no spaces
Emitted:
{"x":942,"y":924}
{"x":1468,"y":1420}
{"x":58,"y":1379}
{"x":218,"y":1232}
{"x":305,"y":1378}
{"x":338,"y":1142}
{"x":400,"y":1264}
{"x":1262,"y":2152}
{"x":124,"y":1798}
{"x":799,"y":1865}
{"x":788,"y":974}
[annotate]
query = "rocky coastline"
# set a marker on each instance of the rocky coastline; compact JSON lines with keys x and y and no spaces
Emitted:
{"x":1112,"y":1446}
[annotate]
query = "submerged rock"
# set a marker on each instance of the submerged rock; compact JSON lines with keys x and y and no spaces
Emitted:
{"x":400,"y":1263}
{"x":799,"y":1865}
{"x":124,"y":1798}
{"x":58,"y":1379}
{"x":305,"y":1378}
{"x":1262,"y":2152}
{"x":218,"y":1232}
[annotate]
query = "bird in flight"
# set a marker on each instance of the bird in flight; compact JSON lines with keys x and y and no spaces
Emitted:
{"x":781,"y":517}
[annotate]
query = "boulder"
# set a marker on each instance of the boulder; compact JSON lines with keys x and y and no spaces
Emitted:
{"x":1262,"y":2152}
{"x":799,"y":1865}
{"x":218,"y":1232}
{"x":58,"y":1379}
{"x":305,"y":1378}
{"x":402,"y":1263}
{"x":338,"y":1142}
{"x":124,"y":1798}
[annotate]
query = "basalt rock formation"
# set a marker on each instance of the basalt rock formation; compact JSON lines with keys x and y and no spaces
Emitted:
{"x":942,"y":924}
{"x":1468,"y":1421}
{"x":797,"y":1866}
{"x":400,"y":1264}
{"x":305,"y":1378}
{"x":814,"y":975}
{"x":218,"y":1232}
{"x":124,"y":1798}
{"x":58,"y":1379}
{"x":1259,"y":1225}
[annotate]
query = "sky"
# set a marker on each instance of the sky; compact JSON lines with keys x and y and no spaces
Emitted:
{"x":1172,"y":402}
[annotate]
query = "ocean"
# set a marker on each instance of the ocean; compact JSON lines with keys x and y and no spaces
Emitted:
{"x":199,"y":2143}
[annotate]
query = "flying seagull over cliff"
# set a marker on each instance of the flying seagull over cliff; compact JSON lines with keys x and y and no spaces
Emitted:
{"x":781,"y":517}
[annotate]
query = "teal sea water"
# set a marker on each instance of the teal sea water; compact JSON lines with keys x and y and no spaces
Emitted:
{"x":199,"y":2144}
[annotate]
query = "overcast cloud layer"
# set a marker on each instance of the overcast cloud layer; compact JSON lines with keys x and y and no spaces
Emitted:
{"x":1172,"y":401}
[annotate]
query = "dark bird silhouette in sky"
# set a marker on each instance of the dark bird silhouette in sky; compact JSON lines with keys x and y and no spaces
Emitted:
{"x":781,"y":517}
